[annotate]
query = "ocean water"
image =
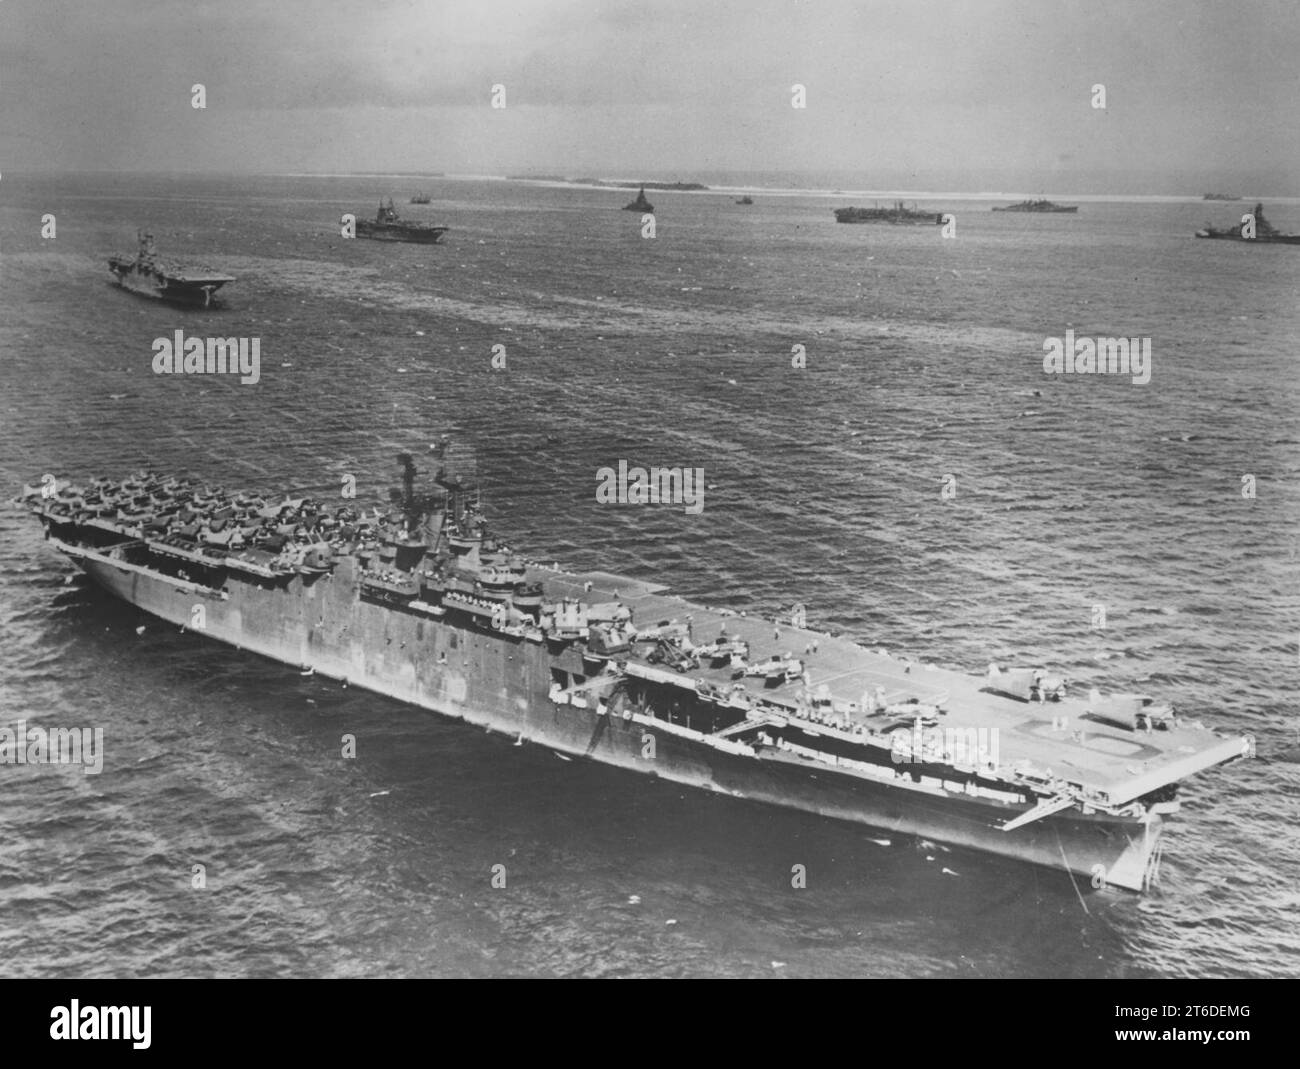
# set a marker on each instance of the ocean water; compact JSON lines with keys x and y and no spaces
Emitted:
{"x":924,"y":360}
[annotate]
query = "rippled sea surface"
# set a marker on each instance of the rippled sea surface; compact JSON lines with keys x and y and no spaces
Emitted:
{"x":924,"y":359}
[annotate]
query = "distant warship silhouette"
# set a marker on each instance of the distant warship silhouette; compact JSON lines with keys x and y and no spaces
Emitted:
{"x":640,"y":204}
{"x":148,"y":276}
{"x":1265,"y":232}
{"x":387,"y":226}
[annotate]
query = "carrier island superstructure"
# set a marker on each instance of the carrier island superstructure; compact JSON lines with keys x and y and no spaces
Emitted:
{"x":419,"y":601}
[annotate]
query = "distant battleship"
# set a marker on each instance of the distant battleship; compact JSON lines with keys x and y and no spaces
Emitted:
{"x":421,"y":198}
{"x":421,"y":602}
{"x":1038,"y":206}
{"x":145,"y":274}
{"x":1220,"y":196}
{"x":895,"y":215}
{"x":640,"y":204}
{"x":388,"y":227}
{"x":1265,"y":232}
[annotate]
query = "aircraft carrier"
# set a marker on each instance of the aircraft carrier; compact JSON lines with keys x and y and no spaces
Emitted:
{"x":898,"y":214}
{"x":418,"y":600}
{"x":388,"y":226}
{"x":145,"y":274}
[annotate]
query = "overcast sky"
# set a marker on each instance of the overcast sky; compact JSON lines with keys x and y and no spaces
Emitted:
{"x":947,"y":95}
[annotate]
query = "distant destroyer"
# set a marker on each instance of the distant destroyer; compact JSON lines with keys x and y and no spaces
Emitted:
{"x":421,"y":602}
{"x":145,"y":274}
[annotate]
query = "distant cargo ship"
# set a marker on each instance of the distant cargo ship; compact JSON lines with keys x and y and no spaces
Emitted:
{"x":421,"y":602}
{"x":1265,"y":232}
{"x":1038,"y":206}
{"x":898,"y":214}
{"x":421,"y":198}
{"x":148,"y":276}
{"x":387,"y":226}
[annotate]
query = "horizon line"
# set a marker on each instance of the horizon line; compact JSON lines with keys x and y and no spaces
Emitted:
{"x":550,"y":180}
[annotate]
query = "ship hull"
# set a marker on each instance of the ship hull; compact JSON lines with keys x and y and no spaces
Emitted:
{"x":409,"y":234}
{"x":502,"y":683}
{"x":170,"y":290}
{"x":1283,"y":239}
{"x":903,"y":220}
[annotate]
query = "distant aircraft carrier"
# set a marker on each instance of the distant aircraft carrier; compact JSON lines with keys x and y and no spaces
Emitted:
{"x":387,"y":226}
{"x":899,"y":213}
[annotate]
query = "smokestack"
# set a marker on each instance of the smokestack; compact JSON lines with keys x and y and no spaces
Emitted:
{"x":408,"y":489}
